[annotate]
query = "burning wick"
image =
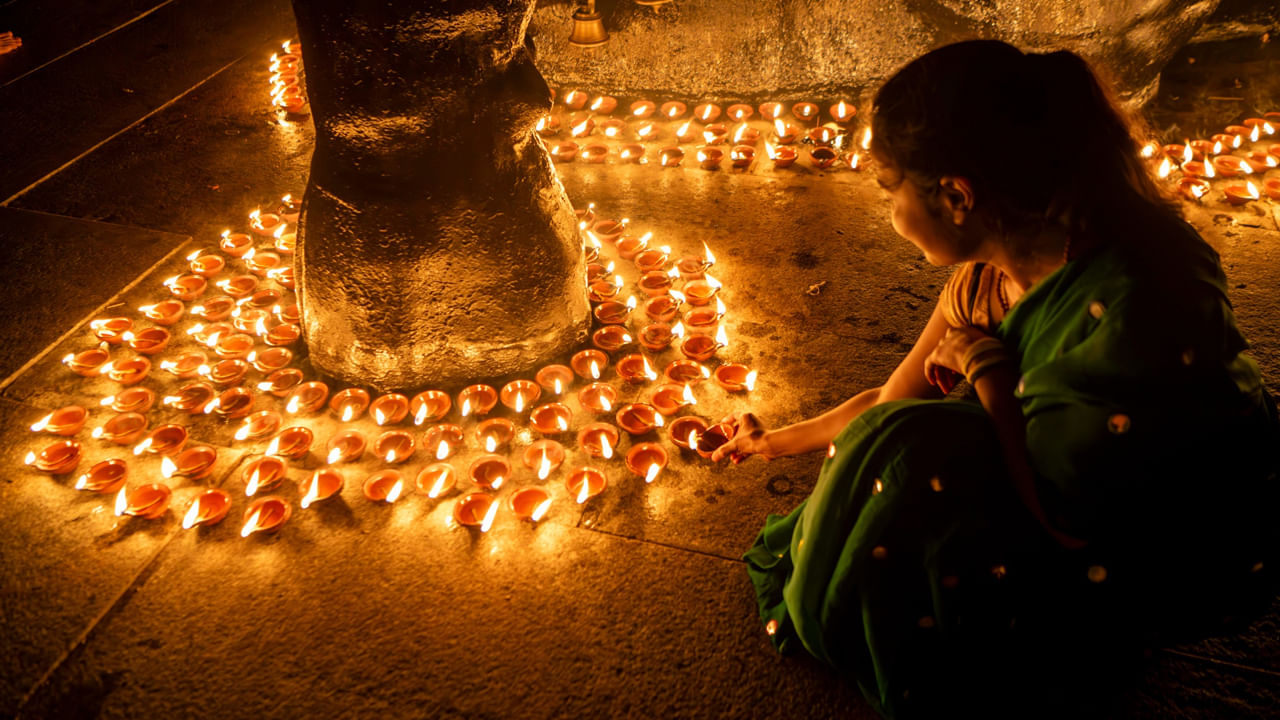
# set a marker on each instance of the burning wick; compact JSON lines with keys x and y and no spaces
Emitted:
{"x":252,"y":524}
{"x":488,"y":516}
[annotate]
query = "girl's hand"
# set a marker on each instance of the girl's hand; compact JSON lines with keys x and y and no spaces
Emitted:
{"x":748,"y":439}
{"x":943,"y":366}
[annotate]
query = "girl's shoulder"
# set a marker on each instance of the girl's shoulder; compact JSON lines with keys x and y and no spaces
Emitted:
{"x":974,"y":296}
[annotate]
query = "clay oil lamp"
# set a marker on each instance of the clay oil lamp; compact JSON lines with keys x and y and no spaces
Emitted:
{"x":285,"y":244}
{"x":704,"y":320}
{"x":1181,"y":153}
{"x":804,"y":111}
{"x":610,"y":337}
{"x":1266,"y":126}
{"x":670,"y":157}
{"x":853,"y":161}
{"x":652,"y":259}
{"x":668,"y":398}
{"x":283,"y":334}
{"x":1230,"y":166}
{"x":700,"y":347}
{"x":842,"y":112}
{"x":822,"y":157}
{"x":1227,"y":141}
{"x":252,"y":320}
{"x":495,"y":434}
{"x":166,"y":439}
{"x":206,"y":265}
{"x":632,"y":153}
{"x":281,"y":382}
{"x":647,"y":132}
{"x":608,"y":231}
{"x":394,"y":446}
{"x":734,"y":377}
{"x":389,"y":409}
{"x":1260,"y":161}
{"x":603,"y":105}
{"x":123,"y":429}
{"x":292,"y":442}
{"x":165,"y":312}
{"x":564,"y":151}
{"x":585,"y":483}
{"x":1272,"y":188}
{"x":429,"y":406}
{"x":547,"y":126}
{"x":215,"y":309}
{"x":642,"y":109}
{"x":266,"y":514}
{"x":87,"y":363}
{"x":646,"y":460}
{"x":656,"y":336}
{"x":191,"y":398}
{"x":226,"y":372}
{"x":476,"y":510}
{"x":231,"y":345}
{"x":261,"y":299}
{"x":186,"y":287}
{"x":543,"y":457}
{"x":147,"y":501}
{"x":1194,"y":188}
{"x":64,"y":421}
{"x":661,"y":308}
{"x":712,"y":438}
{"x":575,"y":99}
{"x":1241,"y":130}
{"x":595,"y":153}
{"x":685,"y":372}
{"x":741,"y":156}
{"x":551,"y":419}
{"x":688,"y":131}
{"x":519,"y":394}
{"x":208,"y":508}
{"x":1241,"y":194}
{"x":489,"y":471}
{"x":128,"y":371}
{"x":384,"y":486}
{"x":307,"y":397}
{"x":602,"y":290}
{"x":745,"y":135}
{"x":684,"y":430}
{"x":555,"y":378}
{"x":194,"y":463}
{"x":345,"y":446}
{"x":477,"y":400}
{"x":629,"y":246}
{"x":655,"y":283}
{"x":289,"y":209}
{"x":586,"y":216}
{"x":59,"y":458}
{"x":436,"y":479}
{"x":262,"y":223}
{"x":110,"y":330}
{"x":349,"y":404}
{"x":781,"y":156}
{"x":639,"y":418}
{"x":707,"y":112}
{"x":822,"y":135}
{"x":771,"y":110}
{"x":715,"y":134}
{"x":130,"y":400}
{"x":598,"y":397}
{"x":709,"y":158}
{"x":323,"y":484}
{"x":598,"y":439}
{"x":865,"y":142}
{"x":187,"y":365}
{"x":589,"y":363}
{"x":673,"y":110}
{"x":259,"y":425}
{"x":443,"y":440}
{"x":235,"y":244}
{"x":271,"y":359}
{"x":530,"y":503}
{"x":701,"y":292}
{"x":288,"y":313}
{"x":635,"y":369}
{"x":1198,"y":169}
{"x":740,"y":112}
{"x":235,"y":402}
{"x":611,"y":312}
{"x":104,"y":477}
{"x":785,"y":133}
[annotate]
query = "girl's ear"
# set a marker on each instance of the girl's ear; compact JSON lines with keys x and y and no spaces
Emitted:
{"x":956,"y":196}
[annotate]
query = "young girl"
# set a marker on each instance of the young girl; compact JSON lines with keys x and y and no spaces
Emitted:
{"x":1115,"y":481}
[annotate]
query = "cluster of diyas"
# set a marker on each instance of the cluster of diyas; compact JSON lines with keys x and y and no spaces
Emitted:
{"x":222,"y":340}
{"x":1243,"y":152}
{"x":287,"y":96}
{"x":597,"y":130}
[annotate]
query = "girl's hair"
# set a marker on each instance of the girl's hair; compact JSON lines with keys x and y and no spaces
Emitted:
{"x":1038,"y":136}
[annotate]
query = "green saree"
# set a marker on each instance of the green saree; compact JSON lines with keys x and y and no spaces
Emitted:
{"x":914,"y":568}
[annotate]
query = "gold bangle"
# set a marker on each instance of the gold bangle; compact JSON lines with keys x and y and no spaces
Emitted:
{"x":979,"y":347}
{"x":983,"y":368}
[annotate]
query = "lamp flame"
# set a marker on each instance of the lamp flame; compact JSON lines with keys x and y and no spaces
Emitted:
{"x":595,"y":370}
{"x":313,"y":492}
{"x":438,"y":486}
{"x":678,"y":330}
{"x":30,"y":458}
{"x":693,"y":439}
{"x":652,"y":474}
{"x":544,"y":469}
{"x":490,"y":443}
{"x":82,"y":481}
{"x":122,"y":502}
{"x":421,"y":415}
{"x":42,"y":423}
{"x":541,"y":510}
{"x":750,"y":382}
{"x":395,"y":491}
{"x":97,"y":433}
{"x":254,"y":481}
{"x":1253,"y":190}
{"x":1208,"y":169}
{"x":274,"y":446}
{"x":379,"y":416}
{"x":688,"y":397}
{"x":605,"y":404}
{"x":722,"y":337}
{"x":559,"y":386}
{"x":442,"y":450}
{"x":292,"y":406}
{"x":488,"y":516}
{"x":168,"y":468}
{"x":1187,"y":154}
{"x":251,"y":525}
{"x":1166,"y":167}
{"x":347,"y":412}
{"x":647,"y":369}
{"x":192,"y":516}
{"x":606,"y":449}
{"x":768,"y":149}
{"x":243,"y":432}
{"x":519,"y":402}
{"x":585,"y":491}
{"x":334,"y":456}
{"x":466,"y":407}
{"x":866,"y":139}
{"x":142,"y":446}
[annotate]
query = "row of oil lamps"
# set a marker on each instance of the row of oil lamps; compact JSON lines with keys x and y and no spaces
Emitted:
{"x":254,"y":313}
{"x":1196,"y":162}
{"x":285,"y":67}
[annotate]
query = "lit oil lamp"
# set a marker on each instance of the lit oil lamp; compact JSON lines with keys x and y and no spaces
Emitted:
{"x":389,"y":409}
{"x":489,"y":471}
{"x":785,"y":133}
{"x":554,"y":378}
{"x":289,"y":208}
{"x":349,"y":404}
{"x":476,"y":510}
{"x":59,"y":458}
{"x":595,"y":153}
{"x":639,"y":418}
{"x":495,"y":434}
{"x":235,"y":402}
{"x":248,"y":319}
{"x":598,"y":397}
{"x":215,"y":309}
{"x":293,"y":442}
{"x":589,"y":363}
{"x":148,"y":341}
{"x":206,"y":265}
{"x":647,"y":460}
{"x":662,"y":308}
{"x":709,"y":440}
{"x":271,"y":359}
{"x":226,"y":372}
{"x":307,"y":397}
{"x":607,"y":231}
{"x":1227,"y":140}
{"x":673,"y":110}
{"x":1230,"y":166}
{"x":193,"y":463}
{"x":519,"y":394}
{"x":740,"y":112}
{"x":655,"y":283}
{"x":288,"y":313}
{"x":110,"y":330}
{"x":477,"y":400}
{"x":707,"y":112}
{"x":842,"y":112}
{"x":551,"y":419}
{"x":804,"y":111}
{"x":685,"y":372}
{"x":443,"y":440}
{"x":263,"y":223}
{"x":281,"y":382}
{"x":702,"y":347}
{"x":741,"y":156}
{"x":575,"y":99}
{"x":207,"y":508}
{"x":668,"y":398}
{"x":547,"y":126}
{"x":1241,"y":194}
{"x":1260,"y":161}
{"x":1272,"y":188}
{"x":146,"y":501}
{"x":187,"y":365}
{"x":632,"y":153}
{"x":671,"y":157}
{"x":853,"y":161}
{"x":585,"y":483}
{"x":235,"y":244}
{"x":122,"y":429}
{"x":745,"y":136}
{"x":1181,"y":153}
{"x":652,"y":259}
{"x":1241,"y":130}
{"x":822,"y":135}
{"x":345,"y":446}
{"x":436,"y":479}
{"x":603,"y":290}
{"x":130,"y":400}
{"x":771,"y":110}
{"x":603,"y":105}
{"x":233,"y":345}
{"x":104,"y":477}
{"x":63,"y":421}
{"x":262,"y":299}
{"x":1193,"y":188}
{"x":429,"y":406}
{"x":88,"y":363}
{"x":394,"y":446}
{"x":543,"y":457}
{"x":704,"y":320}
{"x":611,"y":312}
{"x":266,"y":514}
{"x":530,"y":503}
{"x":191,"y":398}
{"x":642,"y":109}
{"x":822,"y":157}
{"x":1198,"y":169}
{"x":565,"y":151}
{"x":701,"y":292}
{"x":166,"y":439}
{"x":259,"y":425}
{"x":635,"y":369}
{"x":1267,"y":127}
{"x":715,"y":134}
{"x":283,"y":334}
{"x":384,"y":486}
{"x":186,"y":287}
{"x":587,"y":215}
{"x":709,"y":158}
{"x":734,"y":377}
{"x":684,"y":430}
{"x":263,"y":473}
{"x":322,"y":485}
{"x":129,"y":371}
{"x":689,"y":131}
{"x":599,"y":439}
{"x":781,"y":156}
{"x":165,"y":312}
{"x":285,"y":244}
{"x":865,"y":142}
{"x":610,"y":337}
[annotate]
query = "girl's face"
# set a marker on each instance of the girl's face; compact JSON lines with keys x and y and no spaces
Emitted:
{"x":921,"y":218}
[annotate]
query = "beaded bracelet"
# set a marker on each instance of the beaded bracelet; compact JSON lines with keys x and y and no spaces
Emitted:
{"x":981,"y":356}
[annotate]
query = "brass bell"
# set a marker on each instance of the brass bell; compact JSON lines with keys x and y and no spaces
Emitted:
{"x":588,"y":26}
